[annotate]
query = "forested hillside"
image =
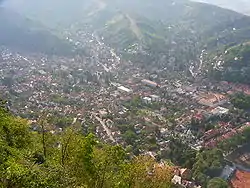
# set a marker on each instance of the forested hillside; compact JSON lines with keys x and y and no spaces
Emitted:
{"x":172,"y":38}
{"x":69,"y":159}
{"x":230,"y":64}
{"x":164,"y":33}
{"x":23,"y":34}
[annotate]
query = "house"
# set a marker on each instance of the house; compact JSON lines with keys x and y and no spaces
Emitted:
{"x":241,"y":179}
{"x":229,"y":134}
{"x":185,"y":173}
{"x":42,"y":72}
{"x":198,"y":116}
{"x":211,"y":143}
{"x":124,"y":89}
{"x":212,"y":99}
{"x":218,"y":111}
{"x":225,"y":125}
{"x":188,"y":184}
{"x":176,"y":180}
{"x":103,"y":113}
{"x":190,"y":89}
{"x":150,"y":83}
{"x":155,"y":98}
{"x":147,"y":100}
{"x":211,"y":133}
{"x":180,"y":91}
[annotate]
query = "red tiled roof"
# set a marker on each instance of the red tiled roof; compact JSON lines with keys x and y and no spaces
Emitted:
{"x":224,"y":124}
{"x":149,"y":82}
{"x":243,"y":127}
{"x":211,"y":143}
{"x":198,"y":116}
{"x":211,"y":133}
{"x":241,"y":179}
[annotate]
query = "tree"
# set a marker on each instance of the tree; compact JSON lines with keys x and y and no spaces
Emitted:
{"x":144,"y":172}
{"x":241,"y":101}
{"x":217,"y":183}
{"x":130,"y":137}
{"x":72,"y":160}
{"x":181,"y":154}
{"x":110,"y":162}
{"x":208,"y":163}
{"x":15,"y":146}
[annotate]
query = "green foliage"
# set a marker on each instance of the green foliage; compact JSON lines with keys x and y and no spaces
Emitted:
{"x":240,"y":52}
{"x":129,"y":136}
{"x":208,"y":163}
{"x":233,"y":142}
{"x":71,"y":160}
{"x":16,"y":135}
{"x":240,"y":100}
{"x":60,"y":121}
{"x":59,"y":99}
{"x":136,"y":174}
{"x":15,"y":140}
{"x":234,"y":64}
{"x":181,"y":153}
{"x":217,"y":183}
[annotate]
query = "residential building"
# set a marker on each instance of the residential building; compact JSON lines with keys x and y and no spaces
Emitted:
{"x":182,"y":177}
{"x":147,"y":100}
{"x":150,"y":83}
{"x":218,"y":111}
{"x":212,"y":99}
{"x":241,"y":179}
{"x":155,"y":98}
{"x":185,"y":173}
{"x":176,"y":180}
{"x":124,"y":89}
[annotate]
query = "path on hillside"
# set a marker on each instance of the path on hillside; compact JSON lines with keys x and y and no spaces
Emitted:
{"x":105,"y":128}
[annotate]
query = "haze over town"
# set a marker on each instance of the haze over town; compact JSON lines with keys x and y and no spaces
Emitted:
{"x":125,"y":93}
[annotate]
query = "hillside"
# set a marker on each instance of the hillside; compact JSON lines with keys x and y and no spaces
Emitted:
{"x":164,"y":32}
{"x":230,"y":64}
{"x":40,"y":159}
{"x":150,"y":34}
{"x":23,"y":34}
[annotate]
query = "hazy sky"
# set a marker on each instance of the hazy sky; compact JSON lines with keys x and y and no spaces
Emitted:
{"x":1,"y":1}
{"x":242,"y":6}
{"x":29,"y":6}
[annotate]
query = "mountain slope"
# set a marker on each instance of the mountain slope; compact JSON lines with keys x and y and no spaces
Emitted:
{"x":157,"y":32}
{"x":167,"y":29}
{"x":23,"y":34}
{"x":230,"y":64}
